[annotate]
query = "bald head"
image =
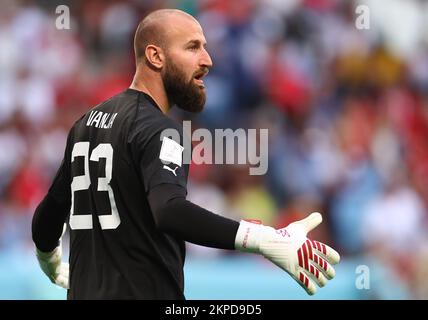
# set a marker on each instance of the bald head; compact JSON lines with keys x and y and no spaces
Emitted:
{"x":171,"y":59}
{"x":154,"y":29}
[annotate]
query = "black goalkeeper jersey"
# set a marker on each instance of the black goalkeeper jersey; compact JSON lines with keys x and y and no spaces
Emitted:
{"x":115,"y":154}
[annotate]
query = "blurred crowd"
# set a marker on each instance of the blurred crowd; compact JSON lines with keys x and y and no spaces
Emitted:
{"x":346,"y":109}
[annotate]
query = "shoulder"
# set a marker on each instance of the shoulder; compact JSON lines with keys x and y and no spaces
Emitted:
{"x":150,"y":122}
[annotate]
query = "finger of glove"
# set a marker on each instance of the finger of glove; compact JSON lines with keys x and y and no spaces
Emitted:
{"x":316,"y":275}
{"x":323,"y":266}
{"x":64,"y":269}
{"x":62,"y":275}
{"x":305,"y":282}
{"x":62,"y":281}
{"x":305,"y":255}
{"x":328,"y":253}
{"x":310,"y":222}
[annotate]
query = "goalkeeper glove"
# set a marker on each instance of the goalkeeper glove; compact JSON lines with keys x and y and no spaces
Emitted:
{"x":51,"y":264}
{"x":306,"y":261}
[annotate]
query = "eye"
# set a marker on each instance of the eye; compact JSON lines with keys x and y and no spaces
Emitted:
{"x":193,"y":48}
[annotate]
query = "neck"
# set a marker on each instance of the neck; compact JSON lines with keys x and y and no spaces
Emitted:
{"x":151,"y":85}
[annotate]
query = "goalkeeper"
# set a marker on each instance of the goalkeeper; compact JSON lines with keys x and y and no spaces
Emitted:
{"x":122,"y":187}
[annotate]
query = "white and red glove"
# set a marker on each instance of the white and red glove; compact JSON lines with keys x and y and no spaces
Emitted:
{"x":52,"y":265}
{"x":307,"y":261}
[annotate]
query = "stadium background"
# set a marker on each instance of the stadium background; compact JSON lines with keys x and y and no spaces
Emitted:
{"x":346,"y":109}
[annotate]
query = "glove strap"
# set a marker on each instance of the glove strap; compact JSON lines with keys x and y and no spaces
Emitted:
{"x":248,"y":236}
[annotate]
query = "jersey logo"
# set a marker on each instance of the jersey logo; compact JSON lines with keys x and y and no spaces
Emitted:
{"x":171,"y":152}
{"x":172,"y":170}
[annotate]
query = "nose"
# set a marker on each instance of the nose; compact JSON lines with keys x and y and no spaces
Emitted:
{"x":205,"y":60}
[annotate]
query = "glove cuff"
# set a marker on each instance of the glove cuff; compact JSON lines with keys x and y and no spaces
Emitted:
{"x":47,"y":255}
{"x":249,"y":236}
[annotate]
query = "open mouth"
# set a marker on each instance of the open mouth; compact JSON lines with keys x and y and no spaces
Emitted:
{"x":198,"y":78}
{"x":200,"y":83}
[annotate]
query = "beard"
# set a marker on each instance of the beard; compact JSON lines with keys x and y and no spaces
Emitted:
{"x":185,"y":94}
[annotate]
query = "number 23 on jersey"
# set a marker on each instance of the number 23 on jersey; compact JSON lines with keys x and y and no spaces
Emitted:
{"x":84,"y":221}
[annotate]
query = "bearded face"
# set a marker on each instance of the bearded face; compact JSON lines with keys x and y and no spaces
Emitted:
{"x":188,"y":95}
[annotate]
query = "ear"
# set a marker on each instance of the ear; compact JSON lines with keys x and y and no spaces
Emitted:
{"x":155,"y":56}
